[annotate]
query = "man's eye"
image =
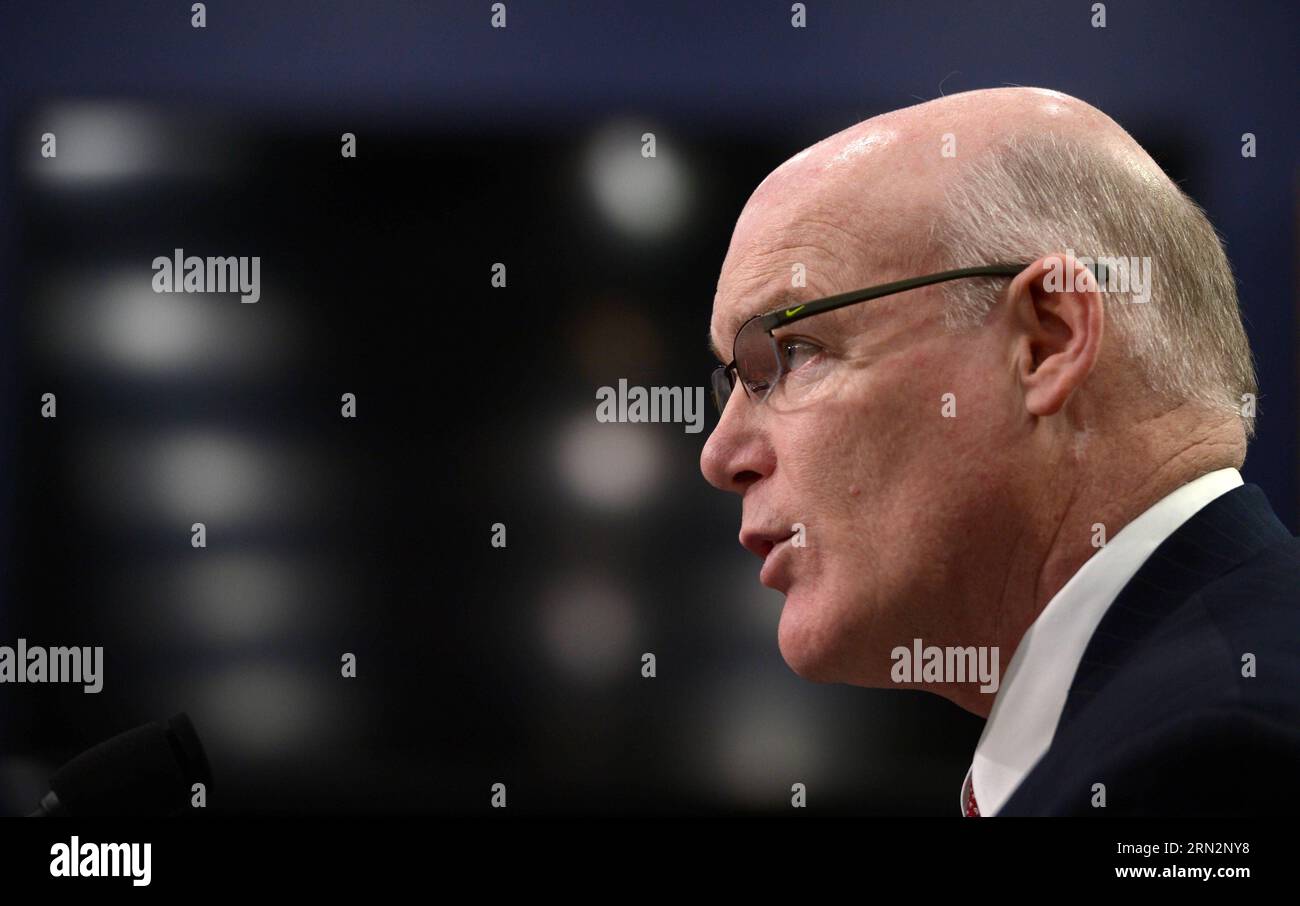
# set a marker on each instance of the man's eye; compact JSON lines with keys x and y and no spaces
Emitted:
{"x":798,"y":352}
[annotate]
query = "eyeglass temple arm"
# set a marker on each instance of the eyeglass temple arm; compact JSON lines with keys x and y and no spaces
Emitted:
{"x":798,"y":313}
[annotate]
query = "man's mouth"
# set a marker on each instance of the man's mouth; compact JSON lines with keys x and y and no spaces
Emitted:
{"x":770,"y":546}
{"x":761,"y":542}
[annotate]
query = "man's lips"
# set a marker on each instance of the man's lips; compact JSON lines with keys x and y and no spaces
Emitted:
{"x":769,"y":545}
{"x":760,"y":542}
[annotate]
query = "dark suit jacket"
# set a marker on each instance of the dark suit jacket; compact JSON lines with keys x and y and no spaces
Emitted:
{"x":1159,"y":711}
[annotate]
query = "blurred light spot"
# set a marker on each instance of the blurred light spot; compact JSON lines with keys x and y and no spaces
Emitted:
{"x":262,"y":710}
{"x":232,"y":598}
{"x":615,"y":337}
{"x":645,"y":197}
{"x":762,"y":741}
{"x":116,"y":321}
{"x":104,"y":142}
{"x":218,"y":478}
{"x":23,"y":781}
{"x":588,"y":625}
{"x":613,"y":465}
{"x":217,"y":475}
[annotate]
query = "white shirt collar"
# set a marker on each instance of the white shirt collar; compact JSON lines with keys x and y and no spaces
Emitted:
{"x":1032,"y":695}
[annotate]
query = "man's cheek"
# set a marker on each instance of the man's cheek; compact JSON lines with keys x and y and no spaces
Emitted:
{"x":806,"y":467}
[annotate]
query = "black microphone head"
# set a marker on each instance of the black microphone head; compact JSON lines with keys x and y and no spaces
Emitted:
{"x":149,"y":770}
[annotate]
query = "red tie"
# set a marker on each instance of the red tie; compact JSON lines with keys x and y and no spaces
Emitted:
{"x":972,"y":807}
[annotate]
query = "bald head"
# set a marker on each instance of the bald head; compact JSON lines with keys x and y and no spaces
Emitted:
{"x":977,"y":118}
{"x":995,"y":420}
{"x":882,"y":181}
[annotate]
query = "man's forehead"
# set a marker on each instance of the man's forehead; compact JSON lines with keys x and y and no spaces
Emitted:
{"x":831,"y":218}
{"x":796,"y":261}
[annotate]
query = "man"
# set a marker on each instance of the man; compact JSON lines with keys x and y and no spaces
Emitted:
{"x":1036,"y":463}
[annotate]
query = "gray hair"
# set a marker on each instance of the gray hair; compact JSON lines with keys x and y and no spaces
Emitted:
{"x":1040,"y":194}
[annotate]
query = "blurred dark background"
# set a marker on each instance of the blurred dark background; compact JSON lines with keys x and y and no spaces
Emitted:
{"x":476,"y":404}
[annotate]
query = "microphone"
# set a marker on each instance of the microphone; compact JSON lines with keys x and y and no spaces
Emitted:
{"x":149,"y":770}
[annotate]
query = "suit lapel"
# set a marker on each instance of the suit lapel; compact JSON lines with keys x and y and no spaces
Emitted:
{"x":1227,"y":531}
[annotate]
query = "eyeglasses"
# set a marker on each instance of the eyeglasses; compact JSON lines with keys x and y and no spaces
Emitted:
{"x":760,"y":360}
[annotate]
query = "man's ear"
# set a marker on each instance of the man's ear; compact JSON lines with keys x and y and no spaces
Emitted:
{"x":1056,"y":313}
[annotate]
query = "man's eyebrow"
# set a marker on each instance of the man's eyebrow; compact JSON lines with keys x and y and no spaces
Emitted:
{"x":787,"y":296}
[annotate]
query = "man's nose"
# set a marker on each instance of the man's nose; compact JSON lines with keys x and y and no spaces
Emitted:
{"x":736,"y":454}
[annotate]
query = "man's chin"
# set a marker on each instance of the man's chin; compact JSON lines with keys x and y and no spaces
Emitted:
{"x":804,"y":645}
